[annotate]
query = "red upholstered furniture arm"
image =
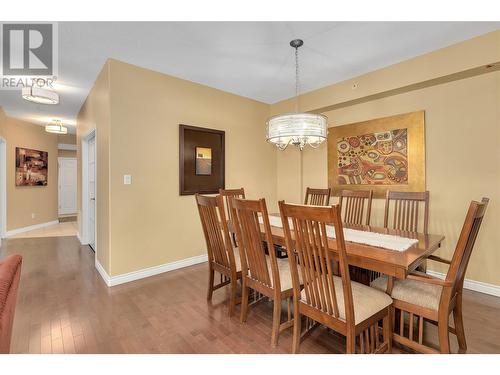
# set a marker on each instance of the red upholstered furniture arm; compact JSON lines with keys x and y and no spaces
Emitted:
{"x":10,"y":272}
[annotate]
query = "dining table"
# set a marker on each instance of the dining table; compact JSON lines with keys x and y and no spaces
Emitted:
{"x":393,"y":263}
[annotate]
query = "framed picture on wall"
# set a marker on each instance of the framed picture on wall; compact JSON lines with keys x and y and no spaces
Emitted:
{"x":32,"y":167}
{"x":201,"y":160}
{"x":380,"y":154}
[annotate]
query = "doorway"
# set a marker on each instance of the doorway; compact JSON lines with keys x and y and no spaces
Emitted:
{"x":3,"y":188}
{"x":89,"y":196}
{"x":67,"y":186}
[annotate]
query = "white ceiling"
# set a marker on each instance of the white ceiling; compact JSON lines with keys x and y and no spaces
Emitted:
{"x":252,"y":59}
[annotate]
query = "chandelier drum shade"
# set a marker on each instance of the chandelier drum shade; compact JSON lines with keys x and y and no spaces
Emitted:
{"x":297,"y":128}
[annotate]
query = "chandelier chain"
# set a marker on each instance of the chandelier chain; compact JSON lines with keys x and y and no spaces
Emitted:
{"x":297,"y":85}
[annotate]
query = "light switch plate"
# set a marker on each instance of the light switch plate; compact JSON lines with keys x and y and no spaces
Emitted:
{"x":127,"y":179}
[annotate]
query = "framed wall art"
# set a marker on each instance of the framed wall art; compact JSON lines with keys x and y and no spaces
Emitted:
{"x":32,"y":167}
{"x":201,"y":160}
{"x":381,"y":154}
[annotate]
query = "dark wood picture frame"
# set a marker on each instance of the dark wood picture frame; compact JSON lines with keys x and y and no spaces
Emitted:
{"x":191,"y":137}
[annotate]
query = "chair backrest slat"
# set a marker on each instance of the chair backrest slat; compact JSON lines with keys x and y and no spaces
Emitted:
{"x":352,"y":203}
{"x":406,"y":210}
{"x":317,"y":197}
{"x":246,"y":223}
{"x":214,"y":224}
{"x":228,"y":194}
{"x":305,"y":230}
{"x":465,"y":244}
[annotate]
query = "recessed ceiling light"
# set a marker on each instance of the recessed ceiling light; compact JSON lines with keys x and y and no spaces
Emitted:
{"x":40,"y":95}
{"x":56,"y":127}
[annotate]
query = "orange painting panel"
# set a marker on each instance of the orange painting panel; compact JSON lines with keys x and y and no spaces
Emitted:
{"x":373,"y":159}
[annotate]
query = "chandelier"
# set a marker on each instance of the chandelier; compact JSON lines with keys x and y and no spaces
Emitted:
{"x":296,"y":128}
{"x":56,"y":126}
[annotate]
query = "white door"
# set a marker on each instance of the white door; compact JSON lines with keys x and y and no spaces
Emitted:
{"x":91,"y":196}
{"x":67,"y":186}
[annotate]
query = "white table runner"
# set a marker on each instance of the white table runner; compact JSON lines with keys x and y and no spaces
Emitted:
{"x":385,"y":241}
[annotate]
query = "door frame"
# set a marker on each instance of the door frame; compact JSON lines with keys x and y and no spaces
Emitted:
{"x":3,"y":188}
{"x":84,"y":224}
{"x":59,"y":158}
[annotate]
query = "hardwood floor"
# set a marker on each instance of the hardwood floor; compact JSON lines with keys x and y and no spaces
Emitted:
{"x":62,"y":229}
{"x":65,"y":307}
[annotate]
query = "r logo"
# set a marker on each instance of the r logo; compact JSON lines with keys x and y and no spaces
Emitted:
{"x":27,"y":49}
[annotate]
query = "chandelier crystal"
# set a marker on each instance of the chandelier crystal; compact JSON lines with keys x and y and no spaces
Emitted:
{"x":56,"y":127}
{"x":297,"y":128}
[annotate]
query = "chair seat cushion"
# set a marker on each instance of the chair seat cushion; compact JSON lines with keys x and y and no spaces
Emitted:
{"x":284,"y":271}
{"x":412,"y":291}
{"x":367,"y":301}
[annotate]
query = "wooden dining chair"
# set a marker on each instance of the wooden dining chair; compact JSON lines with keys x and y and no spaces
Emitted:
{"x":228,"y":194}
{"x":265,"y":274}
{"x":423,"y":297}
{"x":405,"y":212}
{"x":350,"y":308}
{"x":352,"y":203}
{"x":222,"y":257}
{"x":317,"y":197}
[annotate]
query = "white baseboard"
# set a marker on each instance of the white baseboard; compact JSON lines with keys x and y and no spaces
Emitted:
{"x":147,"y":272}
{"x":80,"y":239}
{"x":477,"y":286}
{"x":102,"y":272}
{"x":13,"y":232}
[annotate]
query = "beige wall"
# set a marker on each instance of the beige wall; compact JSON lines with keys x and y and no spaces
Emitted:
{"x":66,"y":153}
{"x":23,"y":201}
{"x":95,"y":114}
{"x":67,"y":139}
{"x":461,"y":117}
{"x":463,"y":160}
{"x":150,"y":224}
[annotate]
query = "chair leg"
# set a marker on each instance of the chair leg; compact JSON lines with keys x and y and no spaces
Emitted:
{"x":350,"y":343}
{"x":232,"y":297}
{"x":296,"y":327}
{"x":387,"y":331}
{"x":459,"y":324}
{"x":244,"y":301}
{"x":444,"y":336}
{"x":211,"y":274}
{"x":276,"y":322}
